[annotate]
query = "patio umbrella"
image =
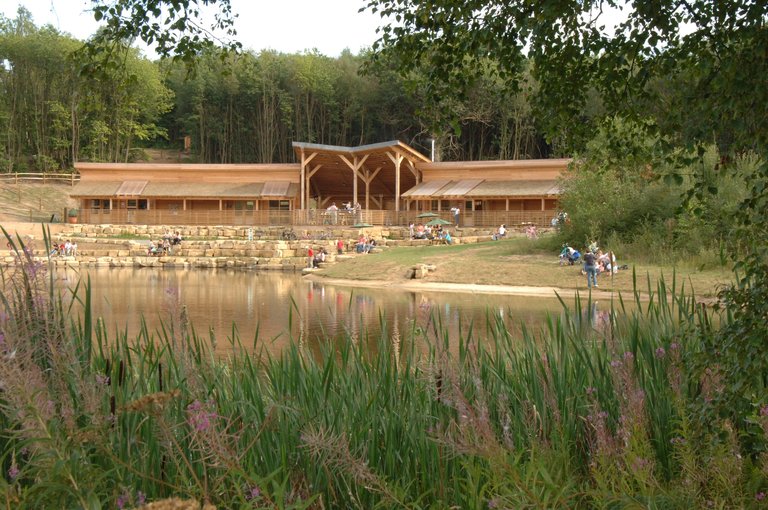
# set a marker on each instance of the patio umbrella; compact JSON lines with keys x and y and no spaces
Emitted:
{"x":438,"y":221}
{"x":428,"y":215}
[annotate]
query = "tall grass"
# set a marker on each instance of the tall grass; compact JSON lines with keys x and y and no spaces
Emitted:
{"x":591,"y":411}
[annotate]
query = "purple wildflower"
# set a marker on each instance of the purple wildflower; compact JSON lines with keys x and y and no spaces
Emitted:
{"x":493,"y":503}
{"x":660,"y":352}
{"x":141,"y":498}
{"x":640,"y":463}
{"x":764,"y":410}
{"x":628,"y":356}
{"x":252,"y":493}
{"x":199,"y":417}
{"x":674,"y":346}
{"x":591,"y":390}
{"x":102,"y":380}
{"x":13,"y":472}
{"x":615,"y":363}
{"x":760,"y":496}
{"x":122,"y":500}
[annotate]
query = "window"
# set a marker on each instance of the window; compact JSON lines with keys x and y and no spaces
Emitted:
{"x":279,"y":205}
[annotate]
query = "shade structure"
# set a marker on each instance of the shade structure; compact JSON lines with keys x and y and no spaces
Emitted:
{"x":438,"y":221}
{"x":428,"y":215}
{"x":362,"y":225}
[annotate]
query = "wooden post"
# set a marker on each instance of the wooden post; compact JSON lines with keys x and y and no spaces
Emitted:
{"x":354,"y":184}
{"x":303,"y":183}
{"x":397,"y":159}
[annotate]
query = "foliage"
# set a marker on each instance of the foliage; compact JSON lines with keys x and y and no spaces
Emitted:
{"x":591,"y":412}
{"x":703,"y":62}
{"x":618,"y":190}
{"x":173,"y":28}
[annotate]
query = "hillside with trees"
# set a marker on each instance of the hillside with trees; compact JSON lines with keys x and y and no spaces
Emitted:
{"x":236,"y":108}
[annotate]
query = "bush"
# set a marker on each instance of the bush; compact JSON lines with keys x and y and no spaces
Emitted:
{"x":617,"y":190}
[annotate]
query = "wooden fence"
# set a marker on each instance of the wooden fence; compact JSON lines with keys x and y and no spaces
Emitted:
{"x":45,"y":178}
{"x":305,"y":217}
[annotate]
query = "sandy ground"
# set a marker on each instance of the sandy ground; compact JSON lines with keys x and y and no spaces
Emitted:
{"x":425,"y":285}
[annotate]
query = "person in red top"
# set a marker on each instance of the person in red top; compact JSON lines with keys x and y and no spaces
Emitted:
{"x":310,"y":255}
{"x":340,"y":246}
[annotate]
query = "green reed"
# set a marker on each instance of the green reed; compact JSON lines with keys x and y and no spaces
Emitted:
{"x":589,"y":411}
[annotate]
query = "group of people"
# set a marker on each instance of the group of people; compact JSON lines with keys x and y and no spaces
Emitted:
{"x":317,"y":258}
{"x":353,"y":211}
{"x":165,"y":245}
{"x":67,"y":249}
{"x":501,"y":233}
{"x":421,"y":231}
{"x":365,"y":244}
{"x":595,"y":261}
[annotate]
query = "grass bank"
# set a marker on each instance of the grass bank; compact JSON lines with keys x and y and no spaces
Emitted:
{"x":580,"y":414}
{"x":517,"y":262}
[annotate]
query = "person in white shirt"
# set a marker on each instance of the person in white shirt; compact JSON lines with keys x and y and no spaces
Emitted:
{"x":456,"y":210}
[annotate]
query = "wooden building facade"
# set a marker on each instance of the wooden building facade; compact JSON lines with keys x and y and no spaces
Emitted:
{"x":390,"y":181}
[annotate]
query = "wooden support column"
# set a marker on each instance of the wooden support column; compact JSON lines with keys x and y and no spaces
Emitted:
{"x":542,"y":204}
{"x":397,"y":159}
{"x":221,"y":205}
{"x":355,"y":166}
{"x":368,"y":179}
{"x":309,"y":176}
{"x":507,"y":205}
{"x":184,"y":205}
{"x":304,"y":162}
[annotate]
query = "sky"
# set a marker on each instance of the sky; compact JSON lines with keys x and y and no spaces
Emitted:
{"x":289,"y":26}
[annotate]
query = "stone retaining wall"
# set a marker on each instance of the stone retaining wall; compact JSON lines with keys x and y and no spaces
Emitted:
{"x":229,"y":249}
{"x":259,"y":233}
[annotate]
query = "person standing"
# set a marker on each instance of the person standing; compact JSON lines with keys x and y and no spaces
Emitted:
{"x":310,"y":256}
{"x":456,"y":210}
{"x":590,"y":267}
{"x":340,"y":246}
{"x":333,"y":212}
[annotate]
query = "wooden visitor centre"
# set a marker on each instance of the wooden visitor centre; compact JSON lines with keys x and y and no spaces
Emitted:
{"x":391,"y":182}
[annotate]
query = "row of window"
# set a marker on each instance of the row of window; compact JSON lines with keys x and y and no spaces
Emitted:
{"x":142,"y":204}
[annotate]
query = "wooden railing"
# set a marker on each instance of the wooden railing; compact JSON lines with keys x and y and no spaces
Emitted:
{"x":45,"y":178}
{"x":491,"y":219}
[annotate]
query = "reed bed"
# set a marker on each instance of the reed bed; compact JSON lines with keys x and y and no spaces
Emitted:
{"x":591,"y":411}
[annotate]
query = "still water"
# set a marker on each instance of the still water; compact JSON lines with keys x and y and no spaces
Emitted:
{"x":275,"y":307}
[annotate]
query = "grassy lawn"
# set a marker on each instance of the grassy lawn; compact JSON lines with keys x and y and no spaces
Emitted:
{"x":516,"y":261}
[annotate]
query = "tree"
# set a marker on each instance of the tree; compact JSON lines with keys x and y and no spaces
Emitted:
{"x":716,"y":49}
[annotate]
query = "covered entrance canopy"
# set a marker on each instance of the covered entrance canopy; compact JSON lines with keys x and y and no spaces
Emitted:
{"x":374,"y":175}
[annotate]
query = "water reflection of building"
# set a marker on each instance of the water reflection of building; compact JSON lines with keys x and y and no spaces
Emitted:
{"x":218,"y":298}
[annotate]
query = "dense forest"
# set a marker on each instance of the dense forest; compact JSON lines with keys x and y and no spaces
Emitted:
{"x":247,"y":107}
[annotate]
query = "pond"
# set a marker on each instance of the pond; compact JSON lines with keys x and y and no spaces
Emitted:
{"x":276,"y":307}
